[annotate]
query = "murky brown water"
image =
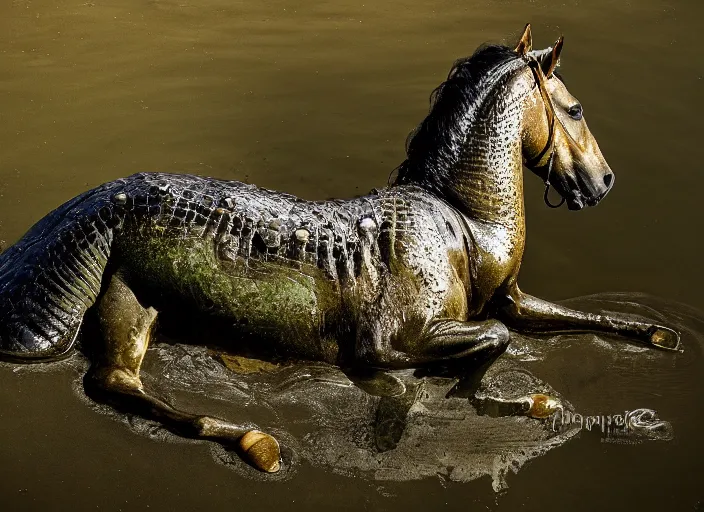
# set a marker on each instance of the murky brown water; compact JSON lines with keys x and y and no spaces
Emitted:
{"x":316,"y":98}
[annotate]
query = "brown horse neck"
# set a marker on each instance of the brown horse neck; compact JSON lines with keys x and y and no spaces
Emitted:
{"x":487,"y":185}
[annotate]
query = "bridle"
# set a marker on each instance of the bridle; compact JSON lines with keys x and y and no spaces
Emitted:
{"x":539,"y":77}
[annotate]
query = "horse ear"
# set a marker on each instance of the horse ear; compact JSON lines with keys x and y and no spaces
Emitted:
{"x":553,"y":60}
{"x":525,"y":44}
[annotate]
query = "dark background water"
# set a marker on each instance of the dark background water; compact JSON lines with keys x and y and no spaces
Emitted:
{"x":316,"y":98}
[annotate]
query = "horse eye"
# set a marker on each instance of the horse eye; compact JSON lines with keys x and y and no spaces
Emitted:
{"x":575,"y":112}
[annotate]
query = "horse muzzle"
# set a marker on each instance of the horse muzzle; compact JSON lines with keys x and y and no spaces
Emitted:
{"x":580,"y":194}
{"x":576,"y":200}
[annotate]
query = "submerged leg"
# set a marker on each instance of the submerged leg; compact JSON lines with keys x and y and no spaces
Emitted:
{"x":472,"y":347}
{"x":527,"y":313}
{"x":126,"y":327}
{"x":442,"y":342}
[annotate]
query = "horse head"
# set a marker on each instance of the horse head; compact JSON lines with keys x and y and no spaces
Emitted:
{"x":557,"y":144}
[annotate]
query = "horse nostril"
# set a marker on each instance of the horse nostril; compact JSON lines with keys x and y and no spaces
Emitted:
{"x":608,"y":178}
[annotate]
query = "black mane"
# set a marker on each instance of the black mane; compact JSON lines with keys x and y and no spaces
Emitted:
{"x":434,"y":146}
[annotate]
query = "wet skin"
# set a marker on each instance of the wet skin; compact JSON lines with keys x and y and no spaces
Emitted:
{"x":423,"y":273}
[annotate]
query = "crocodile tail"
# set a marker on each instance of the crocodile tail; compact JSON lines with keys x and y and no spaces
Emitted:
{"x":53,"y":275}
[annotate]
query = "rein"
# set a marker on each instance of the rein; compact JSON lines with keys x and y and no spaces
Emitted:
{"x":534,"y":66}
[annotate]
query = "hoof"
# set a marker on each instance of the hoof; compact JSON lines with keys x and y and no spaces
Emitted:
{"x":663,"y":337}
{"x":542,"y":406}
{"x":261,"y":450}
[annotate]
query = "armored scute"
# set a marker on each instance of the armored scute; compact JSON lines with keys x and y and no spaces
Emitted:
{"x":272,"y":265}
{"x":420,"y":274}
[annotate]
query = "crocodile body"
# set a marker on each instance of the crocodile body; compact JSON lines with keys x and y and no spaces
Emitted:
{"x":303,"y":275}
{"x":421,"y":274}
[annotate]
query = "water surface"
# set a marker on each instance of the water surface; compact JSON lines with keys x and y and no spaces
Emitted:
{"x":316,"y":98}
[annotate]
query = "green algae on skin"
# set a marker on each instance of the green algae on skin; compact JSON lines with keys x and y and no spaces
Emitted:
{"x":267,"y":298}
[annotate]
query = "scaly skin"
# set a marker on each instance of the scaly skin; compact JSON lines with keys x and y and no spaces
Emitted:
{"x":371,"y":278}
{"x":296,"y":271}
{"x":422,"y":273}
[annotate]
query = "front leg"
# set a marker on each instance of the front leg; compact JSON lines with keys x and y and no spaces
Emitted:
{"x":525,"y":313}
{"x":441,"y":342}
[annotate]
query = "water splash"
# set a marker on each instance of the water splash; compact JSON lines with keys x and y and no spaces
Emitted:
{"x":398,"y":426}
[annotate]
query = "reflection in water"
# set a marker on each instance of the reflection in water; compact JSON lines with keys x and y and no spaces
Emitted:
{"x":399,"y":426}
{"x":322,"y":418}
{"x":316,"y":98}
